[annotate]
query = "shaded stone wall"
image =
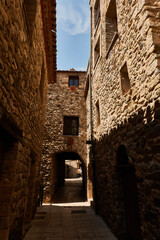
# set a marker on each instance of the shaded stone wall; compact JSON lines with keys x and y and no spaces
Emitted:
{"x":88,"y":133}
{"x":130,"y":117}
{"x":23,"y":84}
{"x":62,"y":101}
{"x":71,"y":169}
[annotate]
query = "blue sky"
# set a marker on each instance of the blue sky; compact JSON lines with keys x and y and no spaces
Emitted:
{"x":73,"y":23}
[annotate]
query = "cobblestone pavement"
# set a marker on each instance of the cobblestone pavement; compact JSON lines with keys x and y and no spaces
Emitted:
{"x":72,"y":220}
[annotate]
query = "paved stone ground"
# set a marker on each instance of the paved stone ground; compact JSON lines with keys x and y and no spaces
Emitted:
{"x":71,"y":192}
{"x":72,"y":220}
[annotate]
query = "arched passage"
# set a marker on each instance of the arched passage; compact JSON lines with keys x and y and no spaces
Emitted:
{"x":127,"y":178}
{"x":59,"y":174}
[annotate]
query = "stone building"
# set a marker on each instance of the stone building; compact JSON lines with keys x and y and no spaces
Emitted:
{"x":65,"y":130}
{"x":25,"y":60}
{"x":123,"y":116}
{"x":72,"y":168}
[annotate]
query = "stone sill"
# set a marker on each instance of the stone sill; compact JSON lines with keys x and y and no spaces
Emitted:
{"x":96,"y":64}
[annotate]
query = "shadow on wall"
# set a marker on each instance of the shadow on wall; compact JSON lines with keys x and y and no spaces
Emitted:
{"x":10,"y":136}
{"x":129,"y":158}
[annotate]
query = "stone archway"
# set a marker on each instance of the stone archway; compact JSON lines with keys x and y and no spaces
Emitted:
{"x":58,"y":176}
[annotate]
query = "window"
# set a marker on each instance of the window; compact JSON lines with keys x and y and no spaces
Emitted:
{"x":71,"y":125}
{"x":30,"y":9}
{"x":111,"y":26}
{"x":97,"y":113}
{"x":73,"y":81}
{"x":97,"y":13}
{"x":97,"y":51}
{"x":125,"y":81}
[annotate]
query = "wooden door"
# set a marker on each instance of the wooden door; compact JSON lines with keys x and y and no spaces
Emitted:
{"x":131,"y":203}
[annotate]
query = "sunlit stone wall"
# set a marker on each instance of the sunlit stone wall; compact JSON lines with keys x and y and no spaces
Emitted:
{"x":23,"y":85}
{"x":126,"y":98}
{"x":63,"y":100}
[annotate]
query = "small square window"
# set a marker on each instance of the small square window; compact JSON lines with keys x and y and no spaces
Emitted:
{"x":97,"y":13}
{"x":30,"y":11}
{"x":73,"y":81}
{"x":98,"y":113}
{"x":97,"y":52}
{"x":111,"y":26}
{"x":71,"y":125}
{"x":125,"y":81}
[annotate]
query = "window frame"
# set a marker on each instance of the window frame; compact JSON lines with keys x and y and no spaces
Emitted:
{"x":30,"y":18}
{"x":69,"y":132}
{"x":111,"y":19}
{"x":73,"y":78}
{"x":97,"y":13}
{"x":98,"y":116}
{"x":125,"y":79}
{"x":97,"y":51}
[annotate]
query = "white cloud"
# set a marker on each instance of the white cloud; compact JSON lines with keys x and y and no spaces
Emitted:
{"x":72,"y":18}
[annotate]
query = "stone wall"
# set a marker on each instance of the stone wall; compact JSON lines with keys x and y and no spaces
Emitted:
{"x":23,"y":85}
{"x":71,"y":168}
{"x":126,"y":86}
{"x":62,"y":101}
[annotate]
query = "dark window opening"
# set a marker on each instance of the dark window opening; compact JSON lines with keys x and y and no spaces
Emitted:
{"x":30,"y":9}
{"x":111,"y":26}
{"x":97,"y":51}
{"x":71,"y":125}
{"x":97,"y":13}
{"x":74,"y":81}
{"x":125,"y":81}
{"x":98,"y":113}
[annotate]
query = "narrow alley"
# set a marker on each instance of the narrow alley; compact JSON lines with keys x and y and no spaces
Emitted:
{"x":79,"y":120}
{"x":68,"y":218}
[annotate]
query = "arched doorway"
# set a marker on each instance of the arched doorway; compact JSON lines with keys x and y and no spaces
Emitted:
{"x":126,"y":173}
{"x":61,"y":176}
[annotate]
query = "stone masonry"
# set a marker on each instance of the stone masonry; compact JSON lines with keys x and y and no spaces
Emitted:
{"x":63,"y":100}
{"x":23,"y":89}
{"x":125,"y":77}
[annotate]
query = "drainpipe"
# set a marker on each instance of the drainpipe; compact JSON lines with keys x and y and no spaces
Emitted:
{"x":91,"y":120}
